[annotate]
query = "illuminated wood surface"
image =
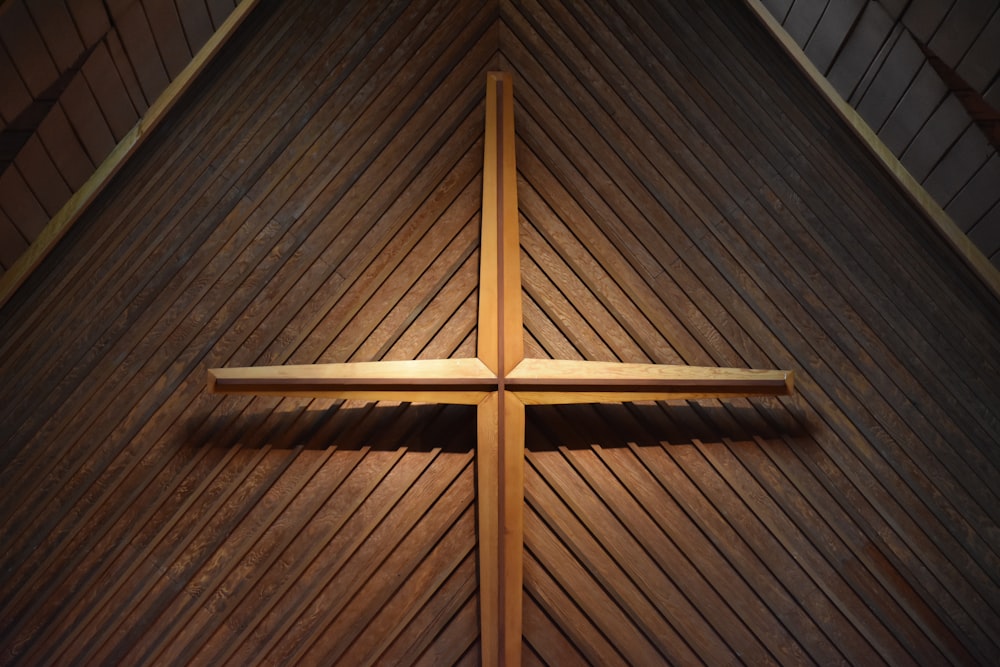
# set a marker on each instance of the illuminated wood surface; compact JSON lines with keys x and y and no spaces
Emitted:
{"x":500,"y":381}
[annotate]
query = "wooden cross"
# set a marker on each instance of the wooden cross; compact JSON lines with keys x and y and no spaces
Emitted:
{"x":500,"y":382}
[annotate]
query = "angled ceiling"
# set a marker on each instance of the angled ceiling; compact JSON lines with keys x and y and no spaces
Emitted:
{"x":925,"y":76}
{"x":685,"y":197}
{"x":79,"y":74}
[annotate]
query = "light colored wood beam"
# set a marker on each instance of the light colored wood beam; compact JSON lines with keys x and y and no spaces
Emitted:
{"x":488,"y":507}
{"x":511,"y":526}
{"x":500,"y":333}
{"x":558,"y":381}
{"x":459,"y":381}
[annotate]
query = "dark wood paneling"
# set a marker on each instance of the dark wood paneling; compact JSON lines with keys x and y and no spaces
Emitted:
{"x":27,"y":50}
{"x":41,"y":176}
{"x":58,"y":31}
{"x":977,"y":66}
{"x":893,"y":78}
{"x":960,"y":29}
{"x":960,"y":164}
{"x":325,"y":160}
{"x":831,"y":30}
{"x":685,"y":197}
{"x":136,"y":34}
{"x":896,"y":65}
{"x":109,"y":91}
{"x":20,"y":204}
{"x":169,"y":35}
{"x":196,"y":21}
{"x":923,"y":96}
{"x":12,"y":242}
{"x":924,"y":17}
{"x":103,"y":70}
{"x":88,"y":122}
{"x":860,"y":49}
{"x":91,"y":18}
{"x":16,"y":97}
{"x":63,"y":144}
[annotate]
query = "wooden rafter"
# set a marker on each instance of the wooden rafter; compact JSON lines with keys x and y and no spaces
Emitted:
{"x":500,"y":382}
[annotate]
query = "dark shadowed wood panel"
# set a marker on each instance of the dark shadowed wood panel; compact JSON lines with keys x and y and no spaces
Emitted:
{"x":860,"y":49}
{"x":110,"y":91}
{"x":63,"y":145}
{"x":91,"y":19}
{"x":169,"y":34}
{"x":27,"y":49}
{"x":196,"y":21}
{"x":897,"y":64}
{"x":923,"y":96}
{"x":86,"y":119}
{"x":279,"y":210}
{"x":16,"y":97}
{"x":55,"y":24}
{"x":12,"y":242}
{"x":69,"y":56}
{"x":20,"y":204}
{"x":831,"y":30}
{"x":894,"y":76}
{"x":41,"y":176}
{"x":887,"y":606}
{"x":132,"y":24}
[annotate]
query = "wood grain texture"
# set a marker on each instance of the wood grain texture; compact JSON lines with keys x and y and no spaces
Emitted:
{"x":684,"y":198}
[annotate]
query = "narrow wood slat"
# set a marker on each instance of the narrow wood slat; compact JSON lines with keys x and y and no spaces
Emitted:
{"x":633,"y":596}
{"x":423,"y":632}
{"x":421,"y":587}
{"x":425,"y":553}
{"x":374,"y":548}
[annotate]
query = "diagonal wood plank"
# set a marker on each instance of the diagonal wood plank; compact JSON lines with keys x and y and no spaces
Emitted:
{"x":500,"y":382}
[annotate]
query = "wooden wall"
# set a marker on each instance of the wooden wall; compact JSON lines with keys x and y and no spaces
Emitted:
{"x":925,"y":75}
{"x":76,"y":76}
{"x":685,"y":197}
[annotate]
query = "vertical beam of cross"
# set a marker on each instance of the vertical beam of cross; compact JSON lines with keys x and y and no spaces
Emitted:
{"x":500,"y":346}
{"x":500,"y":382}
